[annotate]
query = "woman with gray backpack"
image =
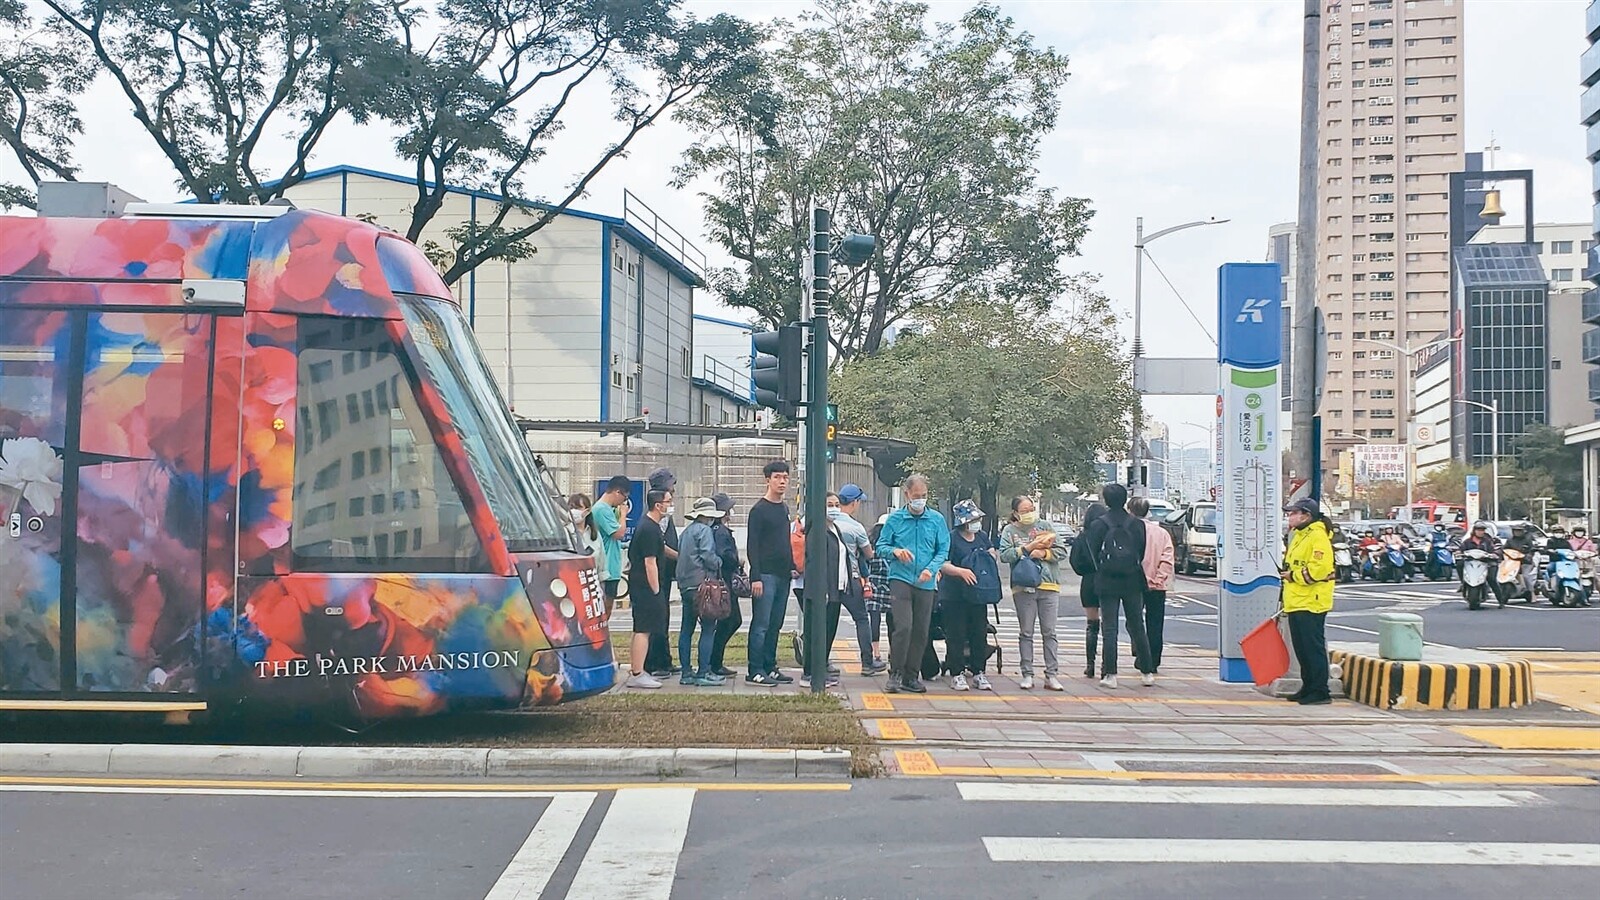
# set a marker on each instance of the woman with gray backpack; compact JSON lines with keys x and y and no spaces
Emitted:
{"x":1029,"y":547}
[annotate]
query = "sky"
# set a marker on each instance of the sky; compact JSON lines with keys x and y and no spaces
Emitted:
{"x":1176,"y":110}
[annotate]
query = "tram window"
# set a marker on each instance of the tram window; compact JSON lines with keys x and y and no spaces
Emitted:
{"x":357,"y":521}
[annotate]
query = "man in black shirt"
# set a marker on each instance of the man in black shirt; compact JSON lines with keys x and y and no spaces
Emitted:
{"x":658,"y":661}
{"x":772,"y":569}
{"x":1116,"y":552}
{"x":647,"y":586}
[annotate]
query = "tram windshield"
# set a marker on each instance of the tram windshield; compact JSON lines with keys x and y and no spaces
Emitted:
{"x":450,"y":360}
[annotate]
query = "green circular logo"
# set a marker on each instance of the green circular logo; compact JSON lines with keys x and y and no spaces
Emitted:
{"x":1253,"y":401}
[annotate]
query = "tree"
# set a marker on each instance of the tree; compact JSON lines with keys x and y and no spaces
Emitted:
{"x":1448,"y":483}
{"x":466,"y":97}
{"x":925,"y":136}
{"x":1382,"y":496}
{"x":1544,"y":448}
{"x":996,"y":397}
{"x":40,"y":78}
{"x":217,"y":83}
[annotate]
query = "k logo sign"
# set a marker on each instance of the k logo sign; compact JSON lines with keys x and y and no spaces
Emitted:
{"x":1250,"y":312}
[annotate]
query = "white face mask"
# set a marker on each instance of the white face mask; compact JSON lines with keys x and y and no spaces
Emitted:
{"x":671,"y":510}
{"x":974,"y":527}
{"x":918,"y":506}
{"x":578,"y":515}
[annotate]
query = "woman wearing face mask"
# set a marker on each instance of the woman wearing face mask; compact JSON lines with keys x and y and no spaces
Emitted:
{"x":581,"y":506}
{"x":968,"y":583}
{"x":1027,"y":537}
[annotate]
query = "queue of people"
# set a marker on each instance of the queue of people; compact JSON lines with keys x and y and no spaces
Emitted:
{"x":894,"y":577}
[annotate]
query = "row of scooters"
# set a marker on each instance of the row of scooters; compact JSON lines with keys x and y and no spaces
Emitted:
{"x":1566,"y":577}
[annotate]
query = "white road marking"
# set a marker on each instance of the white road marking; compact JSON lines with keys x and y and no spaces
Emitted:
{"x":1102,"y":762}
{"x":1211,"y":852}
{"x":1246,"y":796}
{"x":635,"y":854}
{"x":528,"y":873}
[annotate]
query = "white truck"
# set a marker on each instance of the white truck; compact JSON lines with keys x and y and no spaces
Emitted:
{"x":1194,"y":537}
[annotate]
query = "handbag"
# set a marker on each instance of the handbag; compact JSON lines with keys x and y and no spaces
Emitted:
{"x":711,"y":600}
{"x":741,"y":584}
{"x":1026,"y":572}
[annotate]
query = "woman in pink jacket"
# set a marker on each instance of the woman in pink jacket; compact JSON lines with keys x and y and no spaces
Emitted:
{"x":1157,"y":576}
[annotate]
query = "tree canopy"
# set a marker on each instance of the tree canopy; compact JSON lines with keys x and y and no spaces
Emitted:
{"x":924,"y":135}
{"x":997,"y":397}
{"x":239,"y":94}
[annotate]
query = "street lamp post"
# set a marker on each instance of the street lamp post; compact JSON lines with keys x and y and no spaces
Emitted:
{"x":1140,"y":240}
{"x":1493,"y":406}
{"x":1409,"y":353}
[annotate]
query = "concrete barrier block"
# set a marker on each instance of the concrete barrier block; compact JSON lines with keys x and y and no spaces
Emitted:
{"x":83,"y":759}
{"x":204,"y":760}
{"x":577,"y":762}
{"x":706,"y":762}
{"x":822,"y":763}
{"x":342,"y":762}
{"x":764,"y":763}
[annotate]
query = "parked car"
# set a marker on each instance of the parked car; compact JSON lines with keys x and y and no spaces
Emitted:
{"x":1194,"y":537}
{"x":1064,"y":533}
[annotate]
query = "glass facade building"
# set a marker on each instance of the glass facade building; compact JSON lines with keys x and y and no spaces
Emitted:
{"x":1502,"y":315}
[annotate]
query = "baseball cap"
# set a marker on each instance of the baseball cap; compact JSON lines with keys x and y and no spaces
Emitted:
{"x":1305,"y":505}
{"x":851,"y":492}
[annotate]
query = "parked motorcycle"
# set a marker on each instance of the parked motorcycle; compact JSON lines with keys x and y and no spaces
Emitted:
{"x":1441,"y":558}
{"x":1344,"y":566}
{"x":1564,"y":584}
{"x":1475,"y":578}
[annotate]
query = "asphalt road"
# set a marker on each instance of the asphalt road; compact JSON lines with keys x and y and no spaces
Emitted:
{"x":1446,"y":619}
{"x":884,"y":839}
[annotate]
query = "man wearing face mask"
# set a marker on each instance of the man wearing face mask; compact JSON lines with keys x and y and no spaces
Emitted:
{"x":916,"y":542}
{"x":858,"y":550}
{"x":659,"y":660}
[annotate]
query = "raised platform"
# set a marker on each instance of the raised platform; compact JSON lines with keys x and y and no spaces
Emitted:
{"x":1449,"y":678}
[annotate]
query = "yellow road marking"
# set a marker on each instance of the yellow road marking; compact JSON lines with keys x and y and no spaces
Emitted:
{"x":1032,"y":772}
{"x":1526,"y":738}
{"x":152,"y":706}
{"x":379,"y":787}
{"x":916,"y":762}
{"x":1581,"y":692}
{"x":895,"y":730}
{"x":879,"y":702}
{"x":1131,"y":698}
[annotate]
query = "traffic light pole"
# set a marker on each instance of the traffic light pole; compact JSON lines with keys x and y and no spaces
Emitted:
{"x":816,"y":450}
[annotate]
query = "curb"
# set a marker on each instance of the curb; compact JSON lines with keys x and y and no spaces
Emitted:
{"x":210,"y":760}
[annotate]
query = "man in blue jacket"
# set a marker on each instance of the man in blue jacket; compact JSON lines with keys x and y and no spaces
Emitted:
{"x":916,"y":542}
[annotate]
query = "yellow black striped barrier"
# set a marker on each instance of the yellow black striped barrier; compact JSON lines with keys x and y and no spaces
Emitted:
{"x":1397,"y":684}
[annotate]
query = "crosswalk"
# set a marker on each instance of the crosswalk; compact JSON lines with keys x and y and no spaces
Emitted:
{"x":1270,"y":846}
{"x":633,"y":856}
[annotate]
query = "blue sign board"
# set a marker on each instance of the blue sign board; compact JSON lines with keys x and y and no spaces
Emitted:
{"x":1250,"y":307}
{"x":1472,"y":484}
{"x":636,"y":503}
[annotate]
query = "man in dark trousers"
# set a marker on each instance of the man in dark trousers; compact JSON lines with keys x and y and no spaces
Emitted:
{"x":772,"y":570}
{"x":659,"y":660}
{"x":1116,"y":550}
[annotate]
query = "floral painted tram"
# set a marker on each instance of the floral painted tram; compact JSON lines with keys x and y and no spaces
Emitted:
{"x":254,"y":456}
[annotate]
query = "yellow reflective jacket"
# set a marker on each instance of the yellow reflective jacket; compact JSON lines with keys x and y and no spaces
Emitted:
{"x":1308,"y":570}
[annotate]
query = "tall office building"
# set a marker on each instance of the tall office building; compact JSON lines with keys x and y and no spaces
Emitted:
{"x":1281,"y":241}
{"x":1391,"y":133}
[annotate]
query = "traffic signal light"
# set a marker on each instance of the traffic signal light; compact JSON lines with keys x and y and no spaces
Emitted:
{"x":776,"y":369}
{"x":832,"y":433}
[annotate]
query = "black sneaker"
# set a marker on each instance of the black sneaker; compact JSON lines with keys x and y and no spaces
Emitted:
{"x":781,"y":678}
{"x":915,"y":686}
{"x":874,"y":667}
{"x":1315,"y":701}
{"x":835,"y":670}
{"x":663,"y":673}
{"x":760,"y":680}
{"x":725,"y":672}
{"x":892,"y":686}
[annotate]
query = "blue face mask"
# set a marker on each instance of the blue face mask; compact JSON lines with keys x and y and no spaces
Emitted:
{"x":917,"y":507}
{"x":835,"y":512}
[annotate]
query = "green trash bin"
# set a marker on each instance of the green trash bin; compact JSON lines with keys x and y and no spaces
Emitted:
{"x":1400,"y":636}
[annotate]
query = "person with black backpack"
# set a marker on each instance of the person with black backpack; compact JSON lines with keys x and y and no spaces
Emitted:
{"x":1081,"y":564}
{"x":1115,"y":545}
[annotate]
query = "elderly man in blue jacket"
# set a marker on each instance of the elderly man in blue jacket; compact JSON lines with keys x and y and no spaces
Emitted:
{"x":916,"y":542}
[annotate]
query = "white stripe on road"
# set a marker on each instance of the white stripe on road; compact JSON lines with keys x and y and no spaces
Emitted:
{"x":528,"y":873}
{"x":635,"y":854}
{"x":1208,"y":852}
{"x":1253,"y":796}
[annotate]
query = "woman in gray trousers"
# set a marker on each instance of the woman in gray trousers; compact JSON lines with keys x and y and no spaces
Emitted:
{"x":1026,"y":536}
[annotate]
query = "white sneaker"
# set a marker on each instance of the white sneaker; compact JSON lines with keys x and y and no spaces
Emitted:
{"x":644,"y":680}
{"x":981,"y":682}
{"x":1148,"y":679}
{"x":1026,"y":683}
{"x":958,"y":683}
{"x":1053,"y":683}
{"x":1109,"y":682}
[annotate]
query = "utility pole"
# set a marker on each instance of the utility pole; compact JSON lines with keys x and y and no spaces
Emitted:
{"x":816,"y":450}
{"x":1302,"y":384}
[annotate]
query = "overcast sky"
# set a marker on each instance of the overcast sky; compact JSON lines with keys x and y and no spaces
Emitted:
{"x":1176,"y":110}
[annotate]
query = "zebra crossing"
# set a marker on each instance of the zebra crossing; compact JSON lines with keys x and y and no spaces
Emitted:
{"x":1270,"y":845}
